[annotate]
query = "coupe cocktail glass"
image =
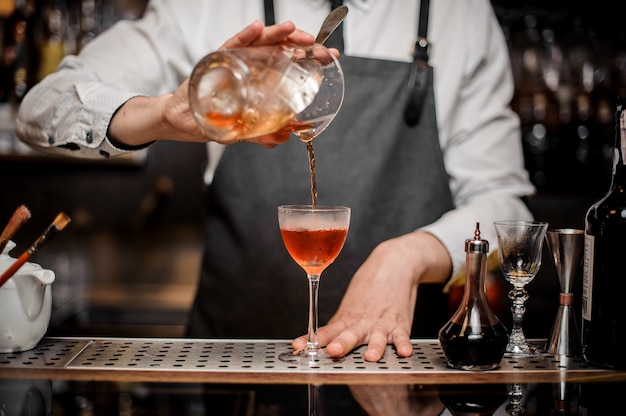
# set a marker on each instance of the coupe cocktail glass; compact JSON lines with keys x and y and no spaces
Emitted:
{"x":313,"y":237}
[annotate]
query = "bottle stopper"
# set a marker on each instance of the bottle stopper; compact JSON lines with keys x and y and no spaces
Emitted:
{"x":477,"y":245}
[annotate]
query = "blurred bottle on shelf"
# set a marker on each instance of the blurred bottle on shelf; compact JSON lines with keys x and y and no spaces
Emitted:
{"x":89,"y":22}
{"x":53,"y":37}
{"x":19,"y":60}
{"x":568,"y":70}
{"x":35,"y":36}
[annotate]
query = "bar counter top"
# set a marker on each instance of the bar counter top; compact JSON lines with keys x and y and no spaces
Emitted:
{"x":256,"y":361}
{"x":177,"y":376}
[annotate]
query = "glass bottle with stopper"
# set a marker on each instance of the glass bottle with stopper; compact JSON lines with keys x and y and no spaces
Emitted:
{"x":474,"y":338}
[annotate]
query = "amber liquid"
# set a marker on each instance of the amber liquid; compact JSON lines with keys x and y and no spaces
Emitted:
{"x":250,"y":123}
{"x":309,"y":148}
{"x":518,"y":277}
{"x":306,"y":133}
{"x":314,"y":250}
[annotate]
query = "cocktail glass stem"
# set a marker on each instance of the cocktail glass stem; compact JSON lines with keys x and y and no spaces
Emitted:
{"x":517,"y":339}
{"x":313,"y":396}
{"x":313,"y":346}
{"x":516,"y":397}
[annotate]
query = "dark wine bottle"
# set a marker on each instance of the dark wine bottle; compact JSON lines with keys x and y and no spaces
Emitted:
{"x":604,"y":274}
{"x":474,"y":338}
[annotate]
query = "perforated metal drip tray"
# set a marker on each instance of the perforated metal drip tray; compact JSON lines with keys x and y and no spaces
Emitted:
{"x":256,"y":361}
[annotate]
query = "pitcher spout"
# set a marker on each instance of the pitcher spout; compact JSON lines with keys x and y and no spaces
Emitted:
{"x":31,"y":288}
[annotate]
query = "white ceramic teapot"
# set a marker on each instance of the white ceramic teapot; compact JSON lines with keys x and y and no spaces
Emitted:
{"x":25,"y":304}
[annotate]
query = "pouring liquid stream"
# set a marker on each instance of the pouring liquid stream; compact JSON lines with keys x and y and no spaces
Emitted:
{"x":307,"y":135}
{"x":306,"y":132}
{"x":309,"y":148}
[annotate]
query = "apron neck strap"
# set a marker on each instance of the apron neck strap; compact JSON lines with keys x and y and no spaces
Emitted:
{"x":420,"y":50}
{"x":336,"y":38}
{"x":420,"y":74}
{"x":270,"y":16}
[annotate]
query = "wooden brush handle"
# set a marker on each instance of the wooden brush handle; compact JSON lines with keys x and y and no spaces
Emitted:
{"x":8,"y":273}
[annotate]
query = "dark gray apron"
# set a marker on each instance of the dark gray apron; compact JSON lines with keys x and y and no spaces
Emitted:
{"x":390,"y":174}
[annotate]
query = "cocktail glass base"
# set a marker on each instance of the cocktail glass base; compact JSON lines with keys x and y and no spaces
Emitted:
{"x":521,"y":350}
{"x":309,"y":358}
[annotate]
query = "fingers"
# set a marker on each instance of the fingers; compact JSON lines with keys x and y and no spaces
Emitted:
{"x":246,"y":36}
{"x":404,"y":347}
{"x":299,"y":343}
{"x":321,"y":54}
{"x":285,"y":32}
{"x":344,"y":339}
{"x":258,"y":34}
{"x":340,"y":340}
{"x":335,"y":52}
{"x":324,"y":334}
{"x":344,"y":343}
{"x":301,"y":38}
{"x":376,"y":346}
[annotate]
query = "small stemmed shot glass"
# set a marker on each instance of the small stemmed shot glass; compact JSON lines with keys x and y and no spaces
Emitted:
{"x":519,"y":254}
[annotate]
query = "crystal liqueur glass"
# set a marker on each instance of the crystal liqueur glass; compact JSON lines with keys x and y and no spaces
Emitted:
{"x":313,"y":237}
{"x":519,"y":253}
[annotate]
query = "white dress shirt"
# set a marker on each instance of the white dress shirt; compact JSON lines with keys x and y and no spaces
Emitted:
{"x":478,"y":132}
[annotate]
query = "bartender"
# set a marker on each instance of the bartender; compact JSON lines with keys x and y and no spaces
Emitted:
{"x":425,"y":146}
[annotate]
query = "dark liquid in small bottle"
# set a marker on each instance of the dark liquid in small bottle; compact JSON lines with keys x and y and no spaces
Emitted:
{"x":478,"y":350}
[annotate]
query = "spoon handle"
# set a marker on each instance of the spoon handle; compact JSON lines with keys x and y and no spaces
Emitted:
{"x":332,"y":21}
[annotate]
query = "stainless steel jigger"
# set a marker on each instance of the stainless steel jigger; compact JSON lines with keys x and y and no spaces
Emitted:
{"x":566,"y":246}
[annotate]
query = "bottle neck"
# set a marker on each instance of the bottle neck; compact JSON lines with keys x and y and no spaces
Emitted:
{"x":476,"y":267}
{"x":618,"y":181}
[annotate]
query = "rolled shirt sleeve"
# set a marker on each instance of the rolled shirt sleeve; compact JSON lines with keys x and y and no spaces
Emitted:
{"x":79,"y":121}
{"x":69,"y":111}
